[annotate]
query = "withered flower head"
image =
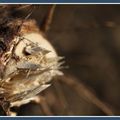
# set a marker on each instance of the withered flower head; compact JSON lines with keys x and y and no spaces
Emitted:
{"x":27,"y":62}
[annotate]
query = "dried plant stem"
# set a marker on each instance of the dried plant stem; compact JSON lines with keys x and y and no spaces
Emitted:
{"x":48,"y":19}
{"x":23,"y":7}
{"x":84,"y":92}
{"x":45,"y":107}
{"x":62,"y":98}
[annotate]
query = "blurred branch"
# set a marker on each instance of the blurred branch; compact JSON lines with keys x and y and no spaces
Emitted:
{"x":62,"y":98}
{"x":48,"y":19}
{"x":84,"y":92}
{"x":45,"y":107}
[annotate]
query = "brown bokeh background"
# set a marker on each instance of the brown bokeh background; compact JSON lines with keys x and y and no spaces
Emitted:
{"x":89,"y":38}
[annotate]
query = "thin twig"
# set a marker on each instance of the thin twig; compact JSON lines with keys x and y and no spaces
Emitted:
{"x":84,"y":92}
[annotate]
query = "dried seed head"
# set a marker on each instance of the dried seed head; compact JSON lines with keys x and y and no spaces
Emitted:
{"x":30,"y":62}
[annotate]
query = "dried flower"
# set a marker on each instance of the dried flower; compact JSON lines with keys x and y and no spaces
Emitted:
{"x":28,"y":62}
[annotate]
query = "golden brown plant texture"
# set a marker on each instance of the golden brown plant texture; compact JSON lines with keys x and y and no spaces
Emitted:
{"x":28,"y":62}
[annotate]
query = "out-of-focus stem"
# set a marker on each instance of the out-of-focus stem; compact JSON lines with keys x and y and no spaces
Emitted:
{"x":48,"y":19}
{"x":84,"y":92}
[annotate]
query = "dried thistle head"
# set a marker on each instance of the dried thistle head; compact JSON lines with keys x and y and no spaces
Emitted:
{"x":28,"y":62}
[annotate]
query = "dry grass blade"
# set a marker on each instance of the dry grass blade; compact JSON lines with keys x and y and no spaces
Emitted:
{"x":84,"y":92}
